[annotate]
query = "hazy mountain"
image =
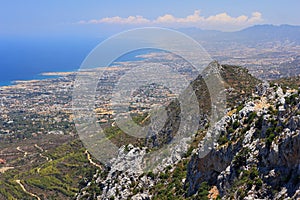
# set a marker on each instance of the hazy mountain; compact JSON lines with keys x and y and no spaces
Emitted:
{"x":257,"y":33}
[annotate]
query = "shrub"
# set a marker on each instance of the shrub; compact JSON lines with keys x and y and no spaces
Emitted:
{"x":230,"y":130}
{"x":163,"y":176}
{"x":258,"y":183}
{"x":203,"y":191}
{"x":254,"y":173}
{"x":222,"y":140}
{"x":270,"y":139}
{"x":239,"y":108}
{"x":258,"y":123}
{"x":251,"y":117}
{"x":236,"y":124}
{"x":151,"y":175}
{"x":189,"y":152}
{"x":279,"y":129}
{"x":241,"y":157}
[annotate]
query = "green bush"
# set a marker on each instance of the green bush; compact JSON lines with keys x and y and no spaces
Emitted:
{"x":151,"y":174}
{"x":278,"y":129}
{"x":222,"y":140}
{"x":241,"y":157}
{"x":250,"y":119}
{"x":203,"y":191}
{"x":230,"y":130}
{"x":239,"y":108}
{"x":236,"y":124}
{"x":163,"y":176}
{"x":270,"y":139}
{"x":258,"y":183}
{"x":258,"y":123}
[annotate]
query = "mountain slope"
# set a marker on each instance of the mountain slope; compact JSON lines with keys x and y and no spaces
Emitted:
{"x":257,"y":155}
{"x":124,"y":179}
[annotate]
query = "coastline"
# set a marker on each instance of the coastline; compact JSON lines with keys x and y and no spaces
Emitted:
{"x":39,"y":77}
{"x":134,"y":56}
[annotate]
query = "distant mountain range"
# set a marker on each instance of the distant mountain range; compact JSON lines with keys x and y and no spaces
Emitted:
{"x":257,"y":33}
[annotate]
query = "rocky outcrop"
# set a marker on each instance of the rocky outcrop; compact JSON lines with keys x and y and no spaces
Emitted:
{"x":260,"y":157}
{"x":130,"y":176}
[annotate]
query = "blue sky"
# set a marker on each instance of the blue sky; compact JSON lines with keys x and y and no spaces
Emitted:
{"x":97,"y":17}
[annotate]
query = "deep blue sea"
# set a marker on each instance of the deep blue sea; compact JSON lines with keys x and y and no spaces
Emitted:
{"x":27,"y":58}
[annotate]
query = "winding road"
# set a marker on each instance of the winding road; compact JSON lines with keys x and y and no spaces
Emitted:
{"x":25,"y":152}
{"x":4,"y":169}
{"x":91,"y":161}
{"x":24,"y":189}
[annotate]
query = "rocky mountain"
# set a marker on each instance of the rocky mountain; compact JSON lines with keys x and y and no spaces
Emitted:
{"x":255,"y":157}
{"x":257,"y":154}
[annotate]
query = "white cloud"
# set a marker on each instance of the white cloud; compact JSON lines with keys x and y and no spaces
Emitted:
{"x":129,"y":20}
{"x":256,"y":17}
{"x":165,"y":19}
{"x":118,"y":20}
{"x":225,"y":18}
{"x":221,"y":20}
{"x":171,"y":19}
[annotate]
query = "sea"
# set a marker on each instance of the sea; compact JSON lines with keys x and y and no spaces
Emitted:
{"x":28,"y":58}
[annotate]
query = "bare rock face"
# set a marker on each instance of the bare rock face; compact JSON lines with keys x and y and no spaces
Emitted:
{"x":126,"y":173}
{"x":261,"y":89}
{"x":209,"y":167}
{"x":126,"y":178}
{"x":259,"y":159}
{"x":294,"y":123}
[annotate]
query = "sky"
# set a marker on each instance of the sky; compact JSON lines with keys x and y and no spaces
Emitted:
{"x":97,"y":18}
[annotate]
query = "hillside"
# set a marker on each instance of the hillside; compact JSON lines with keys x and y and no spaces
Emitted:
{"x":256,"y":155}
{"x":47,"y":173}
